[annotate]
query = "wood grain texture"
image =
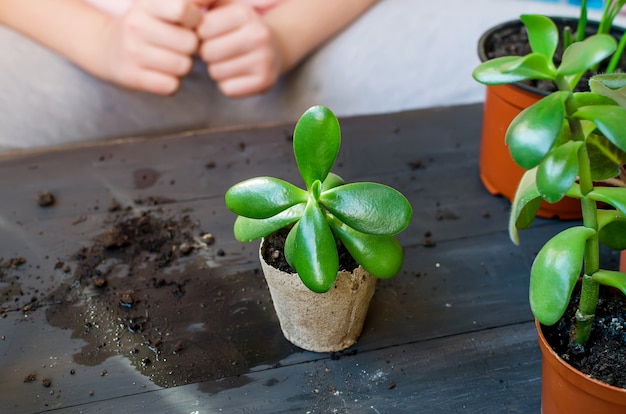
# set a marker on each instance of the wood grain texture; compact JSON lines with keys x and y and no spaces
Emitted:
{"x":451,"y":333}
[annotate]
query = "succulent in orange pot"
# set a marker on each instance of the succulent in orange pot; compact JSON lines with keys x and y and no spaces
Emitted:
{"x":567,"y":143}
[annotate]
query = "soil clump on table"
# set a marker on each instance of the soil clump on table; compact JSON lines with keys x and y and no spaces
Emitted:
{"x":148,"y":288}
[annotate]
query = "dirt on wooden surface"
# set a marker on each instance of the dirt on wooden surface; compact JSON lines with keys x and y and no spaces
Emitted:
{"x":145,"y":289}
{"x":604,"y":357}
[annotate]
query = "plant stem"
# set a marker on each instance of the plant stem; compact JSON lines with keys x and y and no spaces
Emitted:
{"x":589,"y":293}
{"x":617,"y":56}
{"x":585,"y":313}
{"x":581,"y":30}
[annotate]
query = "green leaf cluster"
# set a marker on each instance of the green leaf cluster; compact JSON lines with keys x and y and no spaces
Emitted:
{"x":567,"y":142}
{"x":365,"y":217}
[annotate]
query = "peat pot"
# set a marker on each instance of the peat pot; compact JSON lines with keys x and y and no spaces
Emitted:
{"x":498,"y":172}
{"x":564,"y":389}
{"x":320,"y":322}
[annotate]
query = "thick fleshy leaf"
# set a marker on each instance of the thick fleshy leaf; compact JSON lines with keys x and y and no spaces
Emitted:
{"x":332,"y":180}
{"x":610,"y":120}
{"x":381,"y":256}
{"x":533,"y":131}
{"x":247,"y":229}
{"x":369,"y":207}
{"x":316,"y":141}
{"x":614,"y":196}
{"x":610,"y":85}
{"x":498,"y":71}
{"x":611,"y":278}
{"x":525,"y":205}
{"x":312,"y":250}
{"x":263,"y":197}
{"x":591,"y":98}
{"x":558,"y":171}
{"x":543,"y":35}
{"x":604,"y":157}
{"x":554,"y":273}
{"x":581,"y":56}
{"x":535,"y":64}
{"x":612,"y":229}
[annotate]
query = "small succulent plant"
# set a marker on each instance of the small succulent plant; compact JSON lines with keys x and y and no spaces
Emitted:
{"x":362,"y":216}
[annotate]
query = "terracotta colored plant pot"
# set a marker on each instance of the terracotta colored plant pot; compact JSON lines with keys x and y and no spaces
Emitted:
{"x":498,"y":172}
{"x":622,"y":261}
{"x":566,"y":390}
{"x":320,"y":322}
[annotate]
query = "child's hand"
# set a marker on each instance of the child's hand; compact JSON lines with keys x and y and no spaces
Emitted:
{"x":150,"y":47}
{"x":240,"y":49}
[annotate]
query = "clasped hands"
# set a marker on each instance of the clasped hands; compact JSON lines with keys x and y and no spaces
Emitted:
{"x":152,"y":46}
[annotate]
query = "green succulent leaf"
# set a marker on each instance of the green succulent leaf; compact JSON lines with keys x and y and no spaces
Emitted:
{"x":611,"y":278}
{"x":369,"y":207}
{"x":614,"y":196}
{"x":499,"y":71}
{"x":610,"y":85}
{"x":381,"y":256}
{"x":532,"y":133}
{"x":591,"y":98}
{"x":558,"y":171}
{"x":316,"y":141}
{"x":543,"y":35}
{"x":247,"y":229}
{"x":581,"y":56}
{"x":525,"y":204}
{"x":610,"y":120}
{"x":332,"y":180}
{"x":604,"y":157}
{"x":312,"y":250}
{"x":535,"y":65}
{"x":263,"y":197}
{"x":612,"y":229}
{"x":554,"y":273}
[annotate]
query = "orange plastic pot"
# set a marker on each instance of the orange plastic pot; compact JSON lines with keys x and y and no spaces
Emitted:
{"x":498,"y":172}
{"x":566,"y":390}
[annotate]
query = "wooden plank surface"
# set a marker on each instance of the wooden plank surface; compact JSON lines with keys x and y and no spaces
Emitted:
{"x":457,"y":302}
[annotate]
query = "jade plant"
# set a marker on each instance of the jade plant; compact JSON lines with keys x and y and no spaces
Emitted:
{"x":362,"y":216}
{"x":610,"y":11}
{"x":569,"y":143}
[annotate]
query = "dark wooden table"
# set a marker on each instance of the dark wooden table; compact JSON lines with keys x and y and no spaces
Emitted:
{"x":451,"y":333}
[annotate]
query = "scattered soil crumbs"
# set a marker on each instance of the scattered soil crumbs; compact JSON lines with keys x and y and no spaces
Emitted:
{"x":45,"y":199}
{"x":604,"y":357}
{"x":144,"y":289}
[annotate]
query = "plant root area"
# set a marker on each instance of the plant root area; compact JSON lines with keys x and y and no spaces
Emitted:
{"x":145,"y":288}
{"x":604,"y":356}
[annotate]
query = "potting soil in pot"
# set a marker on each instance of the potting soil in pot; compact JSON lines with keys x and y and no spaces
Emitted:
{"x":604,"y":357}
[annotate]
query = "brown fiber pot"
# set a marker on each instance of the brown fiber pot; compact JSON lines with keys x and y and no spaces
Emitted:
{"x":320,"y":322}
{"x":565,"y":390}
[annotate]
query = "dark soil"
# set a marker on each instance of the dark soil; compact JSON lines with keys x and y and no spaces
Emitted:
{"x":513,"y":41}
{"x":146,"y":289}
{"x":273,"y":253}
{"x":604,"y":357}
